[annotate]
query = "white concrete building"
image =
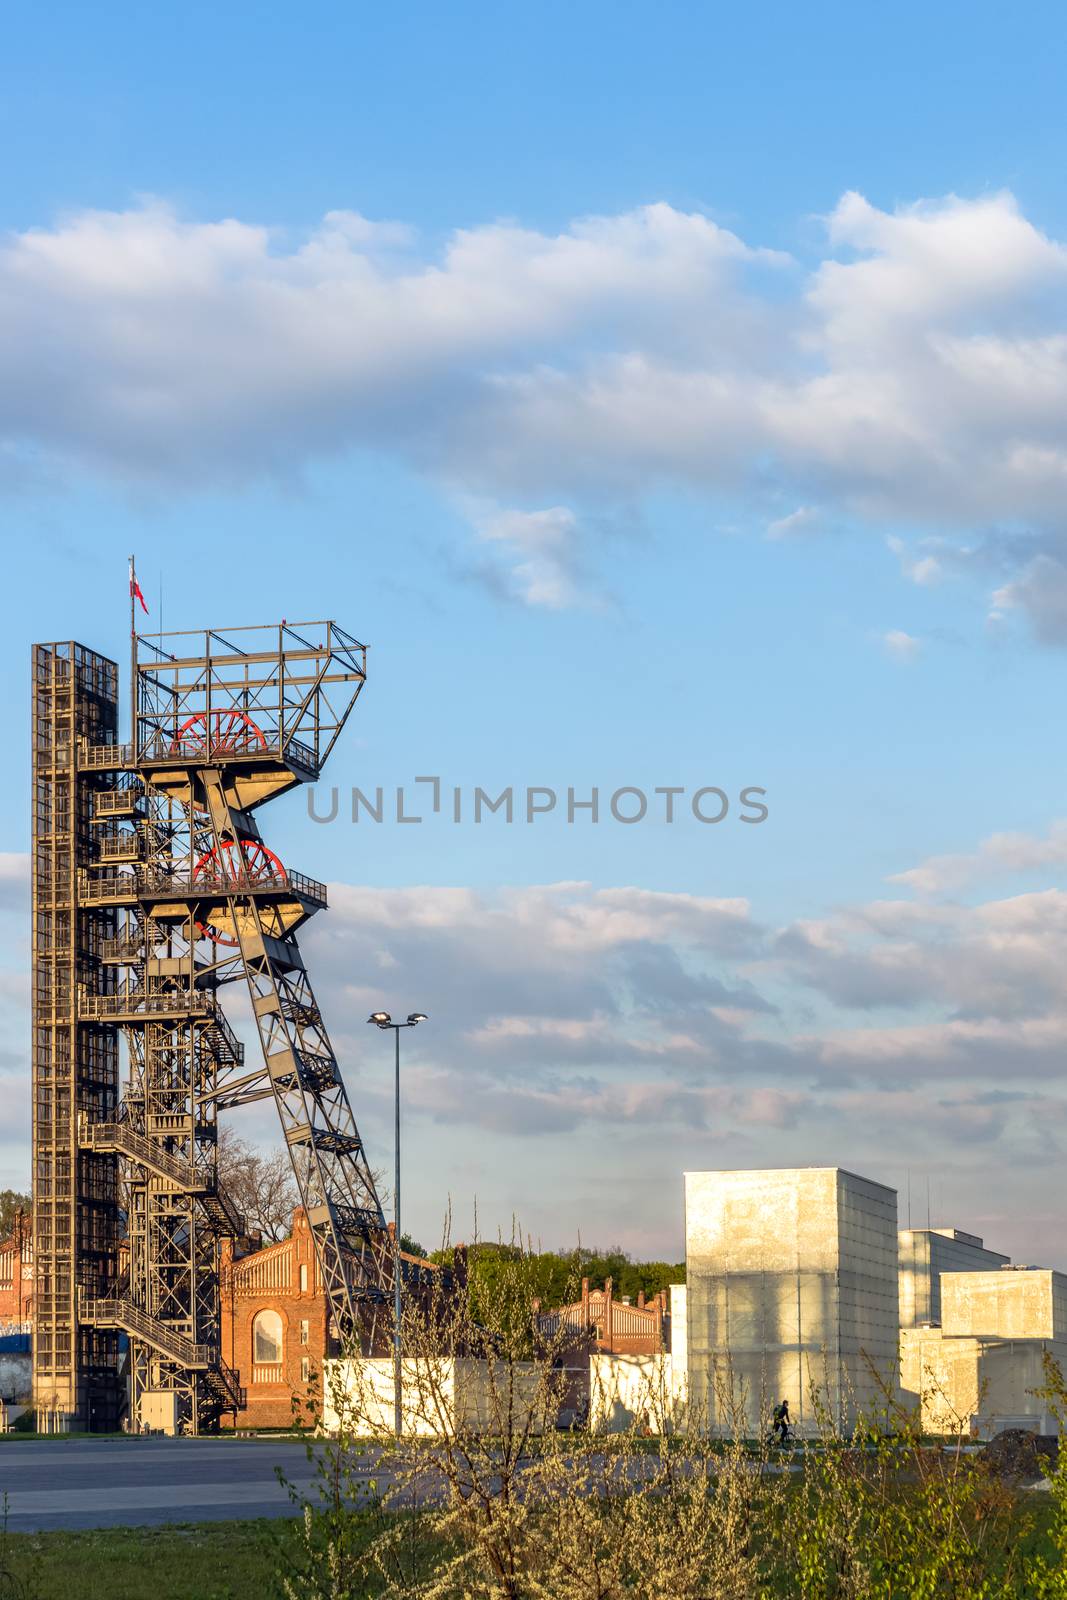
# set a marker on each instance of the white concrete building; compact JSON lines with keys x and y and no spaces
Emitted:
{"x":981,"y":1369}
{"x":925,"y":1253}
{"x":791,"y":1278}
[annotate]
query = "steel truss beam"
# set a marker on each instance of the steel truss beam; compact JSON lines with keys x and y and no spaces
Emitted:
{"x":335,"y":1182}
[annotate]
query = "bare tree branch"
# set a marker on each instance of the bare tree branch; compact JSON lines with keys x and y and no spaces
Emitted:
{"x":260,"y":1184}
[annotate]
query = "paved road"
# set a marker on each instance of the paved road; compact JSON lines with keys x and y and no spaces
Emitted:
{"x":106,"y":1483}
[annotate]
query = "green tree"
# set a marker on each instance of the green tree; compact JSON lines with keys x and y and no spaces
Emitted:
{"x":11,"y":1202}
{"x":558,"y":1274}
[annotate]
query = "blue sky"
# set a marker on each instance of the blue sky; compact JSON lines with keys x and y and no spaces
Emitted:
{"x":668,"y":396}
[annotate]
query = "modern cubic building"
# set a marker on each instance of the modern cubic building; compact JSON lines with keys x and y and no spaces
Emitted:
{"x":982,"y":1369}
{"x":791,"y":1293}
{"x":925,"y":1253}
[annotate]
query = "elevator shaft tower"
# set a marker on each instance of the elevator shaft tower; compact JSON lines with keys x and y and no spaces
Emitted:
{"x":74,"y":1060}
{"x":173,"y":880}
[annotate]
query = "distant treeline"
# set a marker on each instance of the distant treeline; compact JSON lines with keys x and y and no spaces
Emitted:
{"x":558,"y":1274}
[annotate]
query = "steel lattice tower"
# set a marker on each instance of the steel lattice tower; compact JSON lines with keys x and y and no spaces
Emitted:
{"x":172,"y":893}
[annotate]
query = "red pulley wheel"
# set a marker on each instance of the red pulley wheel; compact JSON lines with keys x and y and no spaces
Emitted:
{"x":241,"y":861}
{"x":217,"y":733}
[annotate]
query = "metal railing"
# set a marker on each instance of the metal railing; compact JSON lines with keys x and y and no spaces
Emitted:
{"x":302,"y":754}
{"x":225,"y":1385}
{"x":224,"y":1042}
{"x":129,"y":950}
{"x":119,"y":1312}
{"x":194,"y":748}
{"x":188,"y":883}
{"x":116,"y":802}
{"x":189,"y":1002}
{"x":121,"y":1139}
{"x":223,"y":1213}
{"x":126,"y":888}
{"x":104,"y":757}
{"x":308,"y":888}
{"x":122,"y":847}
{"x":107,"y":888}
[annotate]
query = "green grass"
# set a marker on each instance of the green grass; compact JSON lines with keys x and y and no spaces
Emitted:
{"x":1040,"y":1507}
{"x":195,"y":1561}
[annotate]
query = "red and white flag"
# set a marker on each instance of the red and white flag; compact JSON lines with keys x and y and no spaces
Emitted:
{"x":135,"y":589}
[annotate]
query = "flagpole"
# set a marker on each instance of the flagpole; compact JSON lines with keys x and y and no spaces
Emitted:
{"x":133,"y":660}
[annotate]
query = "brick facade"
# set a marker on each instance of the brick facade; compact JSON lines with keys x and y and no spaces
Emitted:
{"x":611,"y":1326}
{"x":273,"y":1302}
{"x":16,"y":1276}
{"x":273,"y":1305}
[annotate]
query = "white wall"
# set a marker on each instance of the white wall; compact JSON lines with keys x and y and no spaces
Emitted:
{"x":646,"y":1390}
{"x":975,"y":1385}
{"x":679,"y":1327}
{"x":437,"y":1397}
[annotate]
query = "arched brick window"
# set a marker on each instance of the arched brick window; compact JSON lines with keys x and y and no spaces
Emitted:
{"x":267,"y":1347}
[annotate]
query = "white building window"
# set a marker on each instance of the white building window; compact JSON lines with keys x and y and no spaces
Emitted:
{"x":303,"y":1277}
{"x":267,"y":1339}
{"x":305,"y":1368}
{"x":305,"y":1331}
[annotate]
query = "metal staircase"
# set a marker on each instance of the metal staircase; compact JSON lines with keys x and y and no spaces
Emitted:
{"x":119,"y":1311}
{"x":123,"y":1139}
{"x":222,"y":1386}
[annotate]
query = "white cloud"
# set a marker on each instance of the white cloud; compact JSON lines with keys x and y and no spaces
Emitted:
{"x":882,"y":1035}
{"x":922,"y":569}
{"x":796,"y":522}
{"x":214,"y":349}
{"x":918,"y":370}
{"x":997,"y":962}
{"x":1039,"y":591}
{"x":901,"y":646}
{"x":542,"y":566}
{"x":1000,"y":853}
{"x":560,"y":981}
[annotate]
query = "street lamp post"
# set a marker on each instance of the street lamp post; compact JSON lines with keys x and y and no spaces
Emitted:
{"x":382,"y":1019}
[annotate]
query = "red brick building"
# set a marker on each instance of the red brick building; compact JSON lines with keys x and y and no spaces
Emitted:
{"x":615,"y":1326}
{"x":276,"y":1325}
{"x":16,"y":1275}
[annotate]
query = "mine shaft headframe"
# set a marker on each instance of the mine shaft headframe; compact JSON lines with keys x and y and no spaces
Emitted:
{"x":268,"y":701}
